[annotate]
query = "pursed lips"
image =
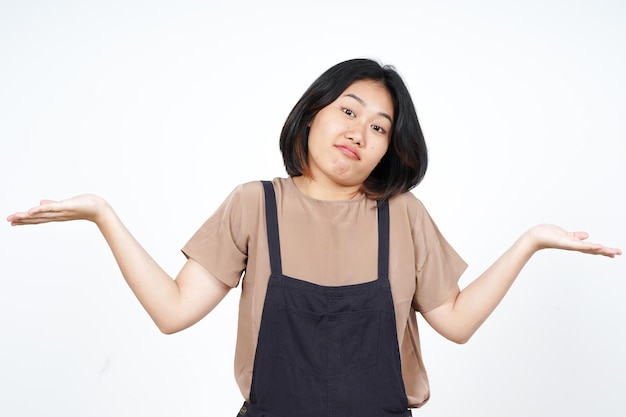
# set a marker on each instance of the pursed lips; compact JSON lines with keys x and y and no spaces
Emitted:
{"x":348,"y":151}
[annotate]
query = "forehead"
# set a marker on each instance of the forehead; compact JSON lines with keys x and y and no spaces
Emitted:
{"x":370,"y":93}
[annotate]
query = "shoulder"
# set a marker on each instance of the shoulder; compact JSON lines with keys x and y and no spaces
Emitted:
{"x":410,"y":210}
{"x":408,"y":203}
{"x":249,"y":190}
{"x":252,"y":193}
{"x":257,"y":186}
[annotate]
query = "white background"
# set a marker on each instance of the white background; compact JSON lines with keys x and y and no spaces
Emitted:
{"x":163,"y":107}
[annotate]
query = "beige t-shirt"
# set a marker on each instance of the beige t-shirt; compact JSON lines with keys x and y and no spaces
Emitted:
{"x":328,"y":243}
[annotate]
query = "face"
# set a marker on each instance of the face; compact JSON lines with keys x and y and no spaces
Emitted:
{"x":349,"y":137}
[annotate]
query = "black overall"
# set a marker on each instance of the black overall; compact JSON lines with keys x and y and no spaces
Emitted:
{"x":326,"y":351}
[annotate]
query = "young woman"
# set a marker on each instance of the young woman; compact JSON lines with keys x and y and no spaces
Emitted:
{"x":333,"y":261}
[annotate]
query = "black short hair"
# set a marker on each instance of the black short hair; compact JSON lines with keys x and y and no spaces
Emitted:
{"x":404,"y":164}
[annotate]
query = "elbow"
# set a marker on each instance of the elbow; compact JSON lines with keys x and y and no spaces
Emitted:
{"x":168,"y":327}
{"x":461,"y":337}
{"x":167,"y":330}
{"x":460,"y":340}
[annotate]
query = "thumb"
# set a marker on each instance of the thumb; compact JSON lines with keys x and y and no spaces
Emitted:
{"x":580,"y":235}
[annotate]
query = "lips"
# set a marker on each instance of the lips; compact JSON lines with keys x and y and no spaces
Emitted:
{"x":348,"y":152}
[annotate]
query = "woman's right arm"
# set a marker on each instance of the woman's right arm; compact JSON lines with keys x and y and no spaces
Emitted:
{"x":172,"y":304}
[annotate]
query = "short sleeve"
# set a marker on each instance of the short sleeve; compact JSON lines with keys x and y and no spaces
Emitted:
{"x":438,"y":266}
{"x":220,"y":245}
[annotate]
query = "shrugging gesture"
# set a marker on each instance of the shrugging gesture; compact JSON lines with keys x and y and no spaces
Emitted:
{"x":172,"y":304}
{"x":353,"y":149}
{"x":91,"y":207}
{"x":463,"y":313}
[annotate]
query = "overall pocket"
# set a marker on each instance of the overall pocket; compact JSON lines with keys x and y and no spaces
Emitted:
{"x":327,"y":345}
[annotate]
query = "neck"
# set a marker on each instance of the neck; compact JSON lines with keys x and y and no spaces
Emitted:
{"x":321,"y":191}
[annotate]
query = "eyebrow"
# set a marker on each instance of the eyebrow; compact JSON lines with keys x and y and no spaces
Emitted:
{"x":362,"y":102}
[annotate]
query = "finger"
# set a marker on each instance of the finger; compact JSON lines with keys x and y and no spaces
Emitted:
{"x":17,"y":221}
{"x":612,"y":252}
{"x":589,"y":247}
{"x":46,"y":213}
{"x":605,"y":251}
{"x":47,"y":206}
{"x":17,"y":215}
{"x":30,"y":221}
{"x":36,"y":218}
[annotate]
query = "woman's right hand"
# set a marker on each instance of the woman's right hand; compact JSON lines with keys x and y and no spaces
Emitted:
{"x":82,"y":207}
{"x":172,"y":304}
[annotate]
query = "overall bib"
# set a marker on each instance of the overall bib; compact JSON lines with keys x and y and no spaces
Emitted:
{"x":326,"y":351}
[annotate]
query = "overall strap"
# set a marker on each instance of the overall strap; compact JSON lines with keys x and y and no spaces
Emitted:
{"x":383,"y":239}
{"x":271,"y":222}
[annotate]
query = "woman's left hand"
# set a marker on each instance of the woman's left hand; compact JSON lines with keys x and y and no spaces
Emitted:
{"x":545,"y":236}
{"x":462,"y":314}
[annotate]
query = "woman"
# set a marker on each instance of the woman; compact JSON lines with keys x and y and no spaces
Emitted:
{"x":333,"y":261}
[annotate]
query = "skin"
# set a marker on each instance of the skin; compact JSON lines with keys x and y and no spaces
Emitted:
{"x":347,"y":139}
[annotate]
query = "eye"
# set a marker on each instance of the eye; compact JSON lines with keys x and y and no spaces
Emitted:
{"x":348,"y":112}
{"x":378,"y":129}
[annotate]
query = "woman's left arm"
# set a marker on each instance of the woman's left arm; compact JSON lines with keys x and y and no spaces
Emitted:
{"x":462,"y":314}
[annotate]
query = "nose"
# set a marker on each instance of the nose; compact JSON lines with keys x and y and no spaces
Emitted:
{"x":356,"y":133}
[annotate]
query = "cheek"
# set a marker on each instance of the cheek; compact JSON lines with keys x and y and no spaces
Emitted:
{"x":380,"y":148}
